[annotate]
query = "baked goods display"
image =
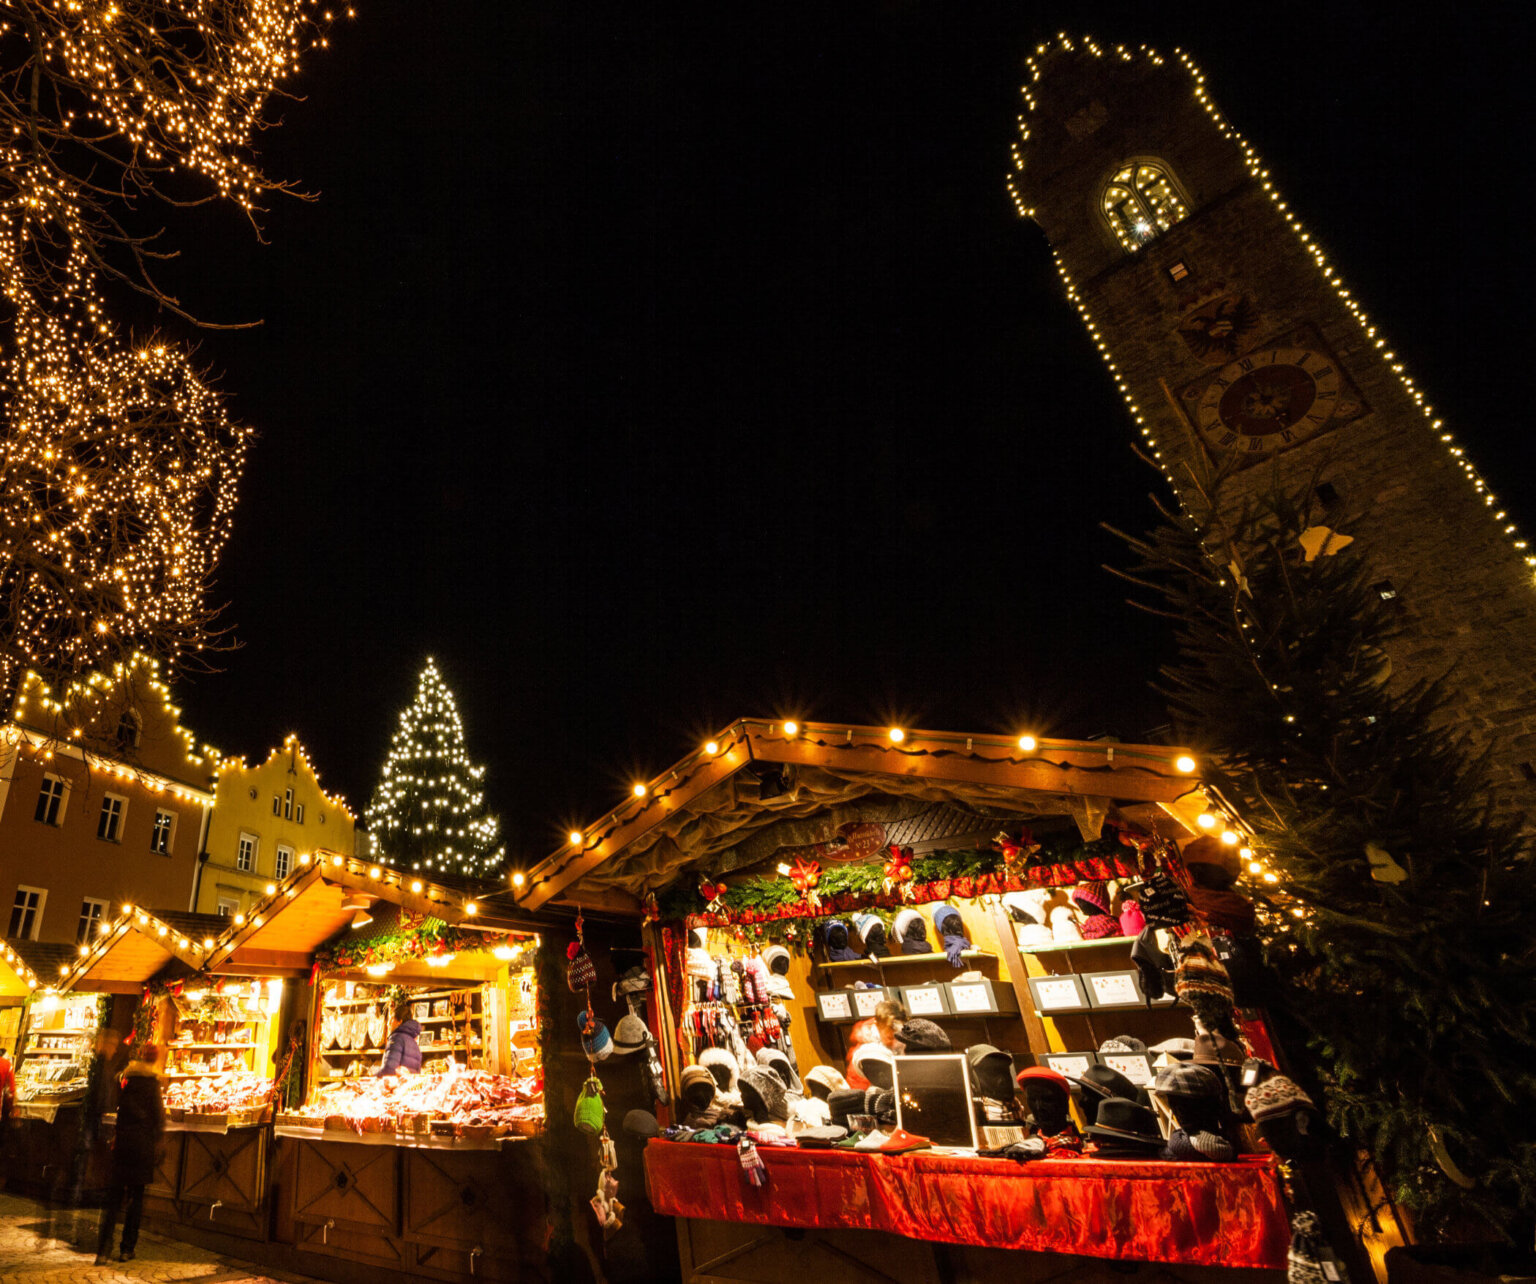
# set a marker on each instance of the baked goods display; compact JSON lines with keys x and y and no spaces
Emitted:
{"x":458,"y":1103}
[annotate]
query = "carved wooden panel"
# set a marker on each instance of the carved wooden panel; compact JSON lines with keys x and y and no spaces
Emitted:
{"x":463,"y":1199}
{"x":167,"y":1180}
{"x":352,"y":1186}
{"x":230,"y":1168}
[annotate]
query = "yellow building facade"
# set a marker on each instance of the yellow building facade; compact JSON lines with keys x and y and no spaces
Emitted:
{"x":264,"y":818}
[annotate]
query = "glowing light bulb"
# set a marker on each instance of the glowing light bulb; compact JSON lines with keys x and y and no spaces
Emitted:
{"x":791,"y":729}
{"x":519,"y":878}
{"x":1254,"y":867}
{"x":638,"y":790}
{"x":1184,"y":763}
{"x":711,"y":747}
{"x":1207,"y":820}
{"x":1028,"y":744}
{"x":1229,"y":837}
{"x":576,"y":837}
{"x":897,"y":735}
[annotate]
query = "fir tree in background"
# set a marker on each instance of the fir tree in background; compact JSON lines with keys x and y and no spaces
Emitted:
{"x":1396,"y":913}
{"x":428,"y":811}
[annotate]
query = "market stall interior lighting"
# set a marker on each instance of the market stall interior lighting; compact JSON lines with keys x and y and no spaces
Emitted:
{"x":896,"y":735}
{"x":518,"y":878}
{"x":1184,"y":763}
{"x":1207,"y":820}
{"x":1028,"y":744}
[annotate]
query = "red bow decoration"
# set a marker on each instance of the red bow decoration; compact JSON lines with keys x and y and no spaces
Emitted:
{"x":712,"y":892}
{"x":652,"y":911}
{"x":898,"y":870}
{"x":1016,"y":854}
{"x":805,"y":874}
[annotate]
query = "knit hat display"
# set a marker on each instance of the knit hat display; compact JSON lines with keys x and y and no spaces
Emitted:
{"x":1100,"y":927}
{"x":580,"y":972}
{"x":823,"y":1081}
{"x":696,"y":1086}
{"x":838,"y":949}
{"x":1023,"y":907}
{"x":1132,"y":920}
{"x":1200,"y":972}
{"x":867,"y":1057}
{"x":764,"y":1097}
{"x":1123,"y":1045}
{"x":629,"y":1035}
{"x":871,"y":933}
{"x":596,"y":1042}
{"x":951,"y":929}
{"x":1064,"y":929}
{"x":991,"y":1071}
{"x":776,"y":960}
{"x":1276,"y":1096}
{"x":844,"y":1102}
{"x":779,"y":987}
{"x":1091,"y":898}
{"x":807,"y":1112}
{"x":722,"y":1068}
{"x":911,"y":932}
{"x":920,"y":1037}
{"x":775,"y":1062}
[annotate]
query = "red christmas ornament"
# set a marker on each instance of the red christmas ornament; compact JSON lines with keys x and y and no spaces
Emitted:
{"x":805,"y":874}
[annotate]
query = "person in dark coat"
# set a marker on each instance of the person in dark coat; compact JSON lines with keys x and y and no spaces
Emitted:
{"x":135,"y":1148}
{"x":106,"y":1073}
{"x":402,"y":1052}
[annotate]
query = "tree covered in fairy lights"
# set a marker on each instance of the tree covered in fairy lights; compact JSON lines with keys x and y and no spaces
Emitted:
{"x":428,"y":811}
{"x":119,"y":464}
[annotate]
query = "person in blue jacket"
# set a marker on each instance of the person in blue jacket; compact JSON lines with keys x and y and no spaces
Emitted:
{"x":402,"y":1052}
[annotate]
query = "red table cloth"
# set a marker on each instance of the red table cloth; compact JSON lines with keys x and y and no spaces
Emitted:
{"x":1202,"y":1214}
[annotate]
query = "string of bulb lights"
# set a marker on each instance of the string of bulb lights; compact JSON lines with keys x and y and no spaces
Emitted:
{"x":1036,"y":65}
{"x":121,"y":465}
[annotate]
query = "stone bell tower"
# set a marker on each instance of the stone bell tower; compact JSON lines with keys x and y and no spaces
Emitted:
{"x":1233,"y":338}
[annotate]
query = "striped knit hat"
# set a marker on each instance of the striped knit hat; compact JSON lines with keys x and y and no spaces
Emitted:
{"x":1200,"y":972}
{"x":1276,"y":1096}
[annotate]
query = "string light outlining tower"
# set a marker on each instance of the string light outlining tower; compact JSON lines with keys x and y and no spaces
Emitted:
{"x":429,"y":811}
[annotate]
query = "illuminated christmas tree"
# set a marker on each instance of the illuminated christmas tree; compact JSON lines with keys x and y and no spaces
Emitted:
{"x":120,"y":461}
{"x":428,"y":811}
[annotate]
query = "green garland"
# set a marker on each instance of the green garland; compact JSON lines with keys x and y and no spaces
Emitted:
{"x":415,"y":939}
{"x":770,"y":902}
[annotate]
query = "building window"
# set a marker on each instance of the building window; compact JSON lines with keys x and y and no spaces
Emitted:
{"x":109,"y":825}
{"x":164,"y":832}
{"x":298,"y":812}
{"x":287,"y":804}
{"x":228,"y":906}
{"x":245,"y":854}
{"x":50,"y":801}
{"x":128,"y":729}
{"x":277,"y":805}
{"x":1141,"y":202}
{"x":91,"y":912}
{"x":284,"y":861}
{"x":27,"y":913}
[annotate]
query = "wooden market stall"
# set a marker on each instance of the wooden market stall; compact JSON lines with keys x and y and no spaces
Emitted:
{"x":282,"y":1139}
{"x":772,"y":833}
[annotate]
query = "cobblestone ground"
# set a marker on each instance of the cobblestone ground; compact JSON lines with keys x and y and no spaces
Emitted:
{"x":42,"y":1245}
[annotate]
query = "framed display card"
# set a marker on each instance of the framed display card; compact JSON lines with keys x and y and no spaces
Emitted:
{"x":1113,"y":989}
{"x":866,"y":1001}
{"x":835,"y":1005}
{"x":1058,"y":994}
{"x":1072,"y":1064}
{"x":925,"y":1000}
{"x":1135,"y":1066}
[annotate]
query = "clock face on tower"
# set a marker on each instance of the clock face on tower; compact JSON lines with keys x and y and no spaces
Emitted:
{"x":1276,"y":395}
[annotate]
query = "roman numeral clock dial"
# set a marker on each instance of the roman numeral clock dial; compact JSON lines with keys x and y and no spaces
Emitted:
{"x":1277,"y":395}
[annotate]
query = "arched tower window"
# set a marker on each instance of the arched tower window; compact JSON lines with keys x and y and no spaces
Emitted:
{"x":1141,"y":202}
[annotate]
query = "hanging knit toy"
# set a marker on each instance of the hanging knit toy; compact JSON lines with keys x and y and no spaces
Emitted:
{"x":753,"y":1170}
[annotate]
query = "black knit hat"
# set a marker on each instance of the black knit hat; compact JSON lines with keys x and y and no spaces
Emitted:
{"x":920,"y":1037}
{"x":1153,"y":967}
{"x":641,"y":1123}
{"x":763,"y":1096}
{"x":1163,"y":902}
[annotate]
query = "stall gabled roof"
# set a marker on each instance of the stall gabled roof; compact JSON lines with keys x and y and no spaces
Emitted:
{"x":137,"y":945}
{"x":30,"y":964}
{"x":708,"y":801}
{"x":305,"y":910}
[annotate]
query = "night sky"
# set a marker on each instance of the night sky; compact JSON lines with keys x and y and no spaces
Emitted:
{"x":656,"y":365}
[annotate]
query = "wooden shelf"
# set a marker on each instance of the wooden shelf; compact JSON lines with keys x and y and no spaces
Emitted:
{"x":52,"y":1052}
{"x":473,"y":1016}
{"x":201,"y":1074}
{"x":908,"y":958}
{"x":1077,"y":945}
{"x":202,"y":1047}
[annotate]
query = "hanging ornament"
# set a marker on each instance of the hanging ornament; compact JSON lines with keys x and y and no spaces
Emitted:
{"x":711,"y":894}
{"x":898,"y":871}
{"x":804,"y":875}
{"x":1017,"y":852}
{"x":1318,"y":541}
{"x":651,"y":911}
